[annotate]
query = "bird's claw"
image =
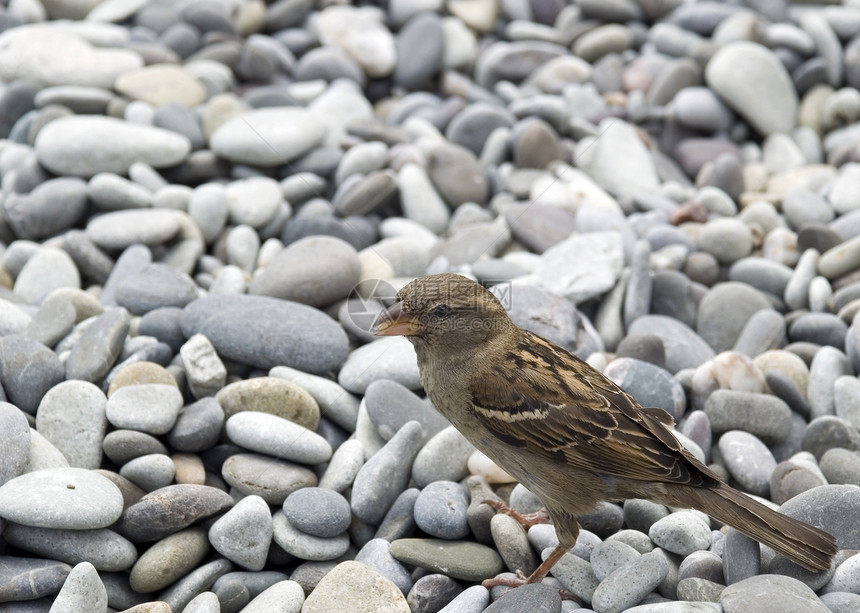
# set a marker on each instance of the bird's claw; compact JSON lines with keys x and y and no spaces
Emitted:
{"x":526,"y":520}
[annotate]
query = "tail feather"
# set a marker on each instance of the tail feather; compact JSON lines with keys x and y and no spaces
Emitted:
{"x":806,"y":545}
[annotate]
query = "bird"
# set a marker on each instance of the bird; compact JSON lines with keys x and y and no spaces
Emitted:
{"x":561,"y":428}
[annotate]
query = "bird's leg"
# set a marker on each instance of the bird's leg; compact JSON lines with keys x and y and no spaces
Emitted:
{"x":536,"y":577}
{"x":526,"y":520}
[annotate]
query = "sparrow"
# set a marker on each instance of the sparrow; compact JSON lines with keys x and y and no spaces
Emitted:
{"x":562,"y":429}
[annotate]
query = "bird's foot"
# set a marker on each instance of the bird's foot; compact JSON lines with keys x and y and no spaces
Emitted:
{"x":526,"y":520}
{"x":521,"y":579}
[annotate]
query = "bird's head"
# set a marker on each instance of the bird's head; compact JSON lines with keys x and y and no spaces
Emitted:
{"x":444,"y":310}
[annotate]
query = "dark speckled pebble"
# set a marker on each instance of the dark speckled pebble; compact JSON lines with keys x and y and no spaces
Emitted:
{"x":440,"y":510}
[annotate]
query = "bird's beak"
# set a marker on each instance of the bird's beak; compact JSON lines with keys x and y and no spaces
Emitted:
{"x":394,"y":322}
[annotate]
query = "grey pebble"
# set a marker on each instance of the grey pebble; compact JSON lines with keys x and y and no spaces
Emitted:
{"x":318,"y":511}
{"x":281,"y":597}
{"x":763,"y":331}
{"x":48,"y":269}
{"x":121,"y":446}
{"x":650,"y":385}
{"x":442,"y":458}
{"x":31,"y":578}
{"x":54,"y":320}
{"x":151,"y":408}
{"x":27,"y":371}
{"x":829,"y":432}
{"x":440,"y":510}
{"x":168,"y":560}
{"x":243,"y":534}
{"x":61,"y":498}
{"x":741,"y":557}
{"x":82,"y":591}
{"x":334,"y":401}
{"x":627,"y":586}
{"x":373,"y":495}
{"x":98,"y":348}
{"x":278,"y":437}
{"x":464,"y":560}
{"x":748,"y":460}
{"x":343,"y":466}
{"x":762,"y":415}
{"x":827,"y":366}
{"x":830,"y":508}
{"x":684,"y":347}
{"x":15,"y":441}
{"x":198,"y":426}
{"x":702,"y":564}
{"x":388,"y":358}
{"x":72,"y":417}
{"x":399,"y":522}
{"x":390,"y":405}
{"x":576,"y":575}
{"x":306,"y":546}
{"x":725,"y":310}
{"x":769,"y":594}
{"x":149,"y":472}
{"x":105,"y":549}
{"x":265,"y":476}
{"x":155,"y":286}
{"x":610,"y":555}
{"x":238,"y":327}
{"x":377,"y":556}
{"x":178,"y":595}
{"x":205,"y":372}
{"x":841,"y":466}
{"x":430,"y":592}
{"x":471,"y":600}
{"x":683,"y":533}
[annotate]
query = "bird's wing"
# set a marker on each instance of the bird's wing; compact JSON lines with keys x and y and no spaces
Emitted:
{"x":559,"y":407}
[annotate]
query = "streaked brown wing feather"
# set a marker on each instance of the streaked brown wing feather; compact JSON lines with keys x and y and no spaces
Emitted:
{"x":559,"y":407}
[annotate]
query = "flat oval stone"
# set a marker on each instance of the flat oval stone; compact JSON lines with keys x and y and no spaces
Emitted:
{"x":318,"y":511}
{"x":27,"y":371}
{"x":104,"y":549}
{"x":769,"y":594}
{"x":278,"y":437}
{"x":31,"y":578}
{"x":121,"y":229}
{"x":457,"y":559}
{"x":198,"y":426}
{"x":440,"y":510}
{"x":271,"y":479}
{"x":98,"y":348}
{"x":241,"y":328}
{"x":271,"y":395}
{"x":47,"y":270}
{"x":171,"y":509}
{"x":390,"y":405}
{"x":14,"y":440}
{"x":363,"y":587}
{"x":306,"y":546}
{"x":153,"y":287}
{"x":71,"y":498}
{"x":748,"y":460}
{"x":150,"y":408}
{"x":72,"y":416}
{"x":168,"y":560}
{"x":85,"y":145}
{"x":387,"y":358}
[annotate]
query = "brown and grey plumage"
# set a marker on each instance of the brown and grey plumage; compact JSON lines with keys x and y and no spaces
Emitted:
{"x":562,"y":429}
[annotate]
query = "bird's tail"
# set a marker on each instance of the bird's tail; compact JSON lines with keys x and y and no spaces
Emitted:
{"x":806,"y":545}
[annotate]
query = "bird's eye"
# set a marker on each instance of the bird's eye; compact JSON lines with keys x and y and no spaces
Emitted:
{"x":443,"y":310}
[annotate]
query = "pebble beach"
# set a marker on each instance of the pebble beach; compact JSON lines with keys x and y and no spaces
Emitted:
{"x":204,"y":204}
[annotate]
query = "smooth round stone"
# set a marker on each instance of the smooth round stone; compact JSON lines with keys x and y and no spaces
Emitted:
{"x":28,"y":370}
{"x":764,"y":331}
{"x":360,"y":195}
{"x":385,"y":474}
{"x":375,"y":554}
{"x":149,"y":472}
{"x":792,"y":478}
{"x":244,"y":533}
{"x":421,"y":37}
{"x":512,"y":543}
{"x":539,"y":226}
{"x":634,"y":169}
{"x":281,"y":597}
{"x":841,"y":259}
{"x":49,"y":269}
{"x":313,"y":270}
{"x":155,"y":286}
{"x":72,"y":417}
{"x":85,"y":145}
{"x":388,"y":358}
{"x":698,"y":108}
{"x":240,"y":328}
{"x":318,"y":511}
{"x":748,"y":460}
{"x":209,"y":207}
{"x":819,"y":328}
{"x":419,"y":199}
{"x":71,"y":498}
{"x":440,"y":510}
{"x":111,"y":192}
{"x":290,"y":133}
{"x":682,"y":533}
{"x":162,"y":84}
{"x":473,"y":125}
{"x":650,"y":385}
{"x":150,"y":408}
{"x":269,"y":434}
{"x":50,"y":208}
{"x":629,"y":584}
{"x":724,"y":311}
{"x":273,"y":396}
{"x":457,"y":559}
{"x":763,"y":95}
{"x":827,"y":366}
{"x":198,"y":426}
{"x":829,"y":432}
{"x":253,"y":201}
{"x":83,"y":590}
{"x":168,"y":560}
{"x":390,"y":405}
{"x":769,"y":594}
{"x":443,"y":458}
{"x":399,"y":522}
{"x":684,"y":348}
{"x":727,"y":239}
{"x":343,"y":466}
{"x":104,"y":549}
{"x":121,"y":446}
{"x":271,"y":479}
{"x":15,"y":441}
{"x":841,"y":466}
{"x":456,"y":174}
{"x":170,"y":509}
{"x":32,"y":578}
{"x":178,"y":595}
{"x":762,"y":415}
{"x":583,"y":266}
{"x":121,"y":229}
{"x":305,"y":546}
{"x":846,"y":392}
{"x":767,"y":276}
{"x":846,"y":578}
{"x":609,"y":556}
{"x":833,"y":508}
{"x":364,"y":588}
{"x":803,"y":206}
